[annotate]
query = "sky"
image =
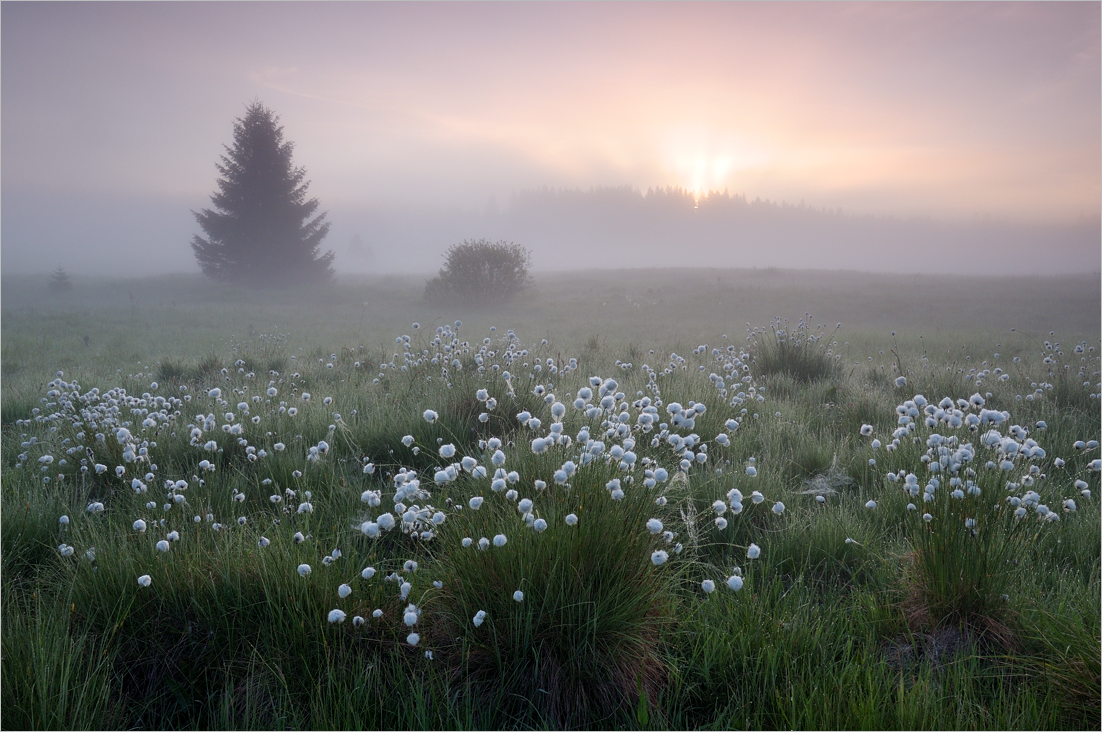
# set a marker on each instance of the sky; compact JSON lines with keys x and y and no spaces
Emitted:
{"x":113,"y":115}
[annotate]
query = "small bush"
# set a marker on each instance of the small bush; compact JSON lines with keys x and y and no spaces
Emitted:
{"x":480,"y":272}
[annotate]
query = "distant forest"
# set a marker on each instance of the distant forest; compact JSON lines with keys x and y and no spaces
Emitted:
{"x":624,"y":227}
{"x":667,"y":225}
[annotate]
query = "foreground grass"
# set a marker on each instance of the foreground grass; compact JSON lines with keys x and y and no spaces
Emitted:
{"x":822,"y":634}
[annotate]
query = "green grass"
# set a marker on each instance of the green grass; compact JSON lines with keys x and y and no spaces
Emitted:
{"x":229,"y":635}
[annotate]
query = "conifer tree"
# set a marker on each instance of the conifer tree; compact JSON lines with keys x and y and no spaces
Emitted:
{"x":260,"y":232}
{"x":59,"y":280}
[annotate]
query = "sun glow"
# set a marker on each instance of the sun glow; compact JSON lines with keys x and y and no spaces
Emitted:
{"x":701,"y":160}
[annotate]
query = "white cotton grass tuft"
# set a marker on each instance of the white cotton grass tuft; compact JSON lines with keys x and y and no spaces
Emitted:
{"x":368,"y":573}
{"x":337,"y":616}
{"x":708,"y":586}
{"x":162,"y":546}
{"x":500,"y":540}
{"x":413,"y":639}
{"x":659,"y":557}
{"x":654,"y":526}
{"x":870,"y":504}
{"x":304,"y":569}
{"x":479,"y":618}
{"x":778,"y":508}
{"x":571,"y":519}
{"x":518,"y":596}
{"x":344,"y":591}
{"x":753,"y":551}
{"x":145,"y":580}
{"x":735,"y":582}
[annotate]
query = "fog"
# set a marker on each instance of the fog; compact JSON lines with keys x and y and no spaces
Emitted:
{"x":932,"y":138}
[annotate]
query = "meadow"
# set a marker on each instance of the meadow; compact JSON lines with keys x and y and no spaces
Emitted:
{"x":632,"y":499}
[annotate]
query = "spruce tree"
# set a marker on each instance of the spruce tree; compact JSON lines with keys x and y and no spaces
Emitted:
{"x":59,"y":280}
{"x":260,"y":232}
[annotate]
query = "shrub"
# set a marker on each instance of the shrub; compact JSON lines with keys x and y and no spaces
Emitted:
{"x":480,"y":272}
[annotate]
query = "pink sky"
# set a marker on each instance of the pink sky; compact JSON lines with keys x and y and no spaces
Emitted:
{"x":944,"y":109}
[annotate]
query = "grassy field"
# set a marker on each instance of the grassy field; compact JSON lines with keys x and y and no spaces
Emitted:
{"x":694,"y":513}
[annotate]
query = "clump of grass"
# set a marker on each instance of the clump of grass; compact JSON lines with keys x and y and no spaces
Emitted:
{"x":177,"y":371}
{"x":961,"y":576}
{"x":801,"y":353}
{"x":584,"y":643}
{"x":973,"y":515}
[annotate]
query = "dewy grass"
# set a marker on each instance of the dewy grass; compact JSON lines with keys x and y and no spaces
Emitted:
{"x":614,"y":626}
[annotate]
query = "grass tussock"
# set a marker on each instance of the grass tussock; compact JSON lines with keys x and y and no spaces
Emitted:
{"x":802,"y":353}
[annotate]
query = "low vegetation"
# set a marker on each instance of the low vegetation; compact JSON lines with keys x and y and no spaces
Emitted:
{"x":477,"y":525}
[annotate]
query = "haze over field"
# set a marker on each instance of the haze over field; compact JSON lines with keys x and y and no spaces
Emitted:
{"x":900,"y":137}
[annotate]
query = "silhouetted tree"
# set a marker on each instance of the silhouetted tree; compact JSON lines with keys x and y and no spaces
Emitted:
{"x":260,"y":231}
{"x":480,"y":272}
{"x":59,"y":280}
